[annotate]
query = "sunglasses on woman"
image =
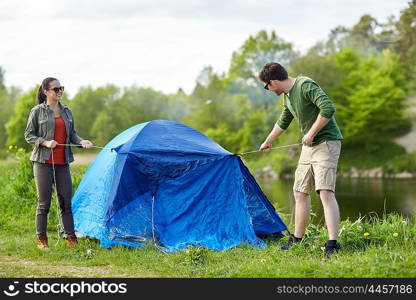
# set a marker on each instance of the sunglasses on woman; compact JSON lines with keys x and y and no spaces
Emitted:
{"x":57,"y":89}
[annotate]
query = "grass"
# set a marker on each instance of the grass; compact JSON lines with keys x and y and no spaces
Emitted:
{"x":372,"y":247}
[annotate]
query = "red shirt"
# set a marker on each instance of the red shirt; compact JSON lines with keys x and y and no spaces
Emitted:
{"x":60,"y":137}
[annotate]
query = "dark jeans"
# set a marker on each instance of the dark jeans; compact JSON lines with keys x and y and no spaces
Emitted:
{"x":44,"y":179}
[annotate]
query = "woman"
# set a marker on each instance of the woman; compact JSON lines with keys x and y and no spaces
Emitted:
{"x":51,"y":123}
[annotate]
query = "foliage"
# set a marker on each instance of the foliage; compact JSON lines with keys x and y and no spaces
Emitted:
{"x":6,"y":104}
{"x":4,"y":114}
{"x":15,"y":128}
{"x":402,"y":163}
{"x":321,"y":68}
{"x":196,"y":255}
{"x":22,"y":182}
{"x":256,"y":52}
{"x":246,"y":63}
{"x":359,"y":158}
{"x":405,"y":42}
{"x":87,"y":105}
{"x":136,"y":105}
{"x":372,"y":100}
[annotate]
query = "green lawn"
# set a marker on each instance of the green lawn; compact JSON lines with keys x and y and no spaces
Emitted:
{"x":375,"y":247}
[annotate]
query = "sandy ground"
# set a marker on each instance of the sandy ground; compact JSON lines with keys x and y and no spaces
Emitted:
{"x":83,"y":159}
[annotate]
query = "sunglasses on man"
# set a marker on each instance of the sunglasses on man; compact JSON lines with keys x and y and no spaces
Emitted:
{"x":266,"y":86}
{"x":57,"y":89}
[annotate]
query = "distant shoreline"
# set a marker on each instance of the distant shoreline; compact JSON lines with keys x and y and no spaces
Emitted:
{"x":353,"y":173}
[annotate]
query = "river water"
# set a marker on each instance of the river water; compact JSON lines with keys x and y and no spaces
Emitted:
{"x":356,"y":197}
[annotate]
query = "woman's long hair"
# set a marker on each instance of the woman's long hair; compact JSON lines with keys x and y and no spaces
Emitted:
{"x":40,"y":95}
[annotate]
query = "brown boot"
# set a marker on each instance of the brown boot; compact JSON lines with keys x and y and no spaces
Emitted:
{"x":71,"y":241}
{"x":43,"y":242}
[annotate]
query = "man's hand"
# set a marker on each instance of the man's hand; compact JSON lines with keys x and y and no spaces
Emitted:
{"x":307,"y":139}
{"x":86,"y":144}
{"x":266,"y":146}
{"x":319,"y":123}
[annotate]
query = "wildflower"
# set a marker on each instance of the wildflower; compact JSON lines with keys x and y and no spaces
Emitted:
{"x":366,"y":234}
{"x":89,"y":251}
{"x":10,"y":147}
{"x":395,"y":234}
{"x":262,"y":260}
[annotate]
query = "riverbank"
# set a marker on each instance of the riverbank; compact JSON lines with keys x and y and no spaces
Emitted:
{"x":269,"y":173}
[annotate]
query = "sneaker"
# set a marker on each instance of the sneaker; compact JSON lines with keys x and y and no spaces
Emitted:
{"x":290,"y":242}
{"x":42,"y":241}
{"x":71,"y":241}
{"x":330,"y":249}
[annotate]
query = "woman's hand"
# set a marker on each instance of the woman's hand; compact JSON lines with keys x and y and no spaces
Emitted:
{"x":86,"y":144}
{"x":50,"y":144}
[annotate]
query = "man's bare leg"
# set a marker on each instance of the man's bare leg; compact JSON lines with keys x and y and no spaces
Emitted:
{"x":302,"y":212}
{"x":331,"y":211}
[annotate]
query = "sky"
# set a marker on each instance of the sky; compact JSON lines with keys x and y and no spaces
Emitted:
{"x":162,"y":44}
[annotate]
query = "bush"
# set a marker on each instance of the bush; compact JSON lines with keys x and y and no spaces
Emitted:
{"x":402,"y":163}
{"x":22,"y":181}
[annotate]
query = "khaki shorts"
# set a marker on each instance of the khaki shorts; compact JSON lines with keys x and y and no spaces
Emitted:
{"x":317,"y":164}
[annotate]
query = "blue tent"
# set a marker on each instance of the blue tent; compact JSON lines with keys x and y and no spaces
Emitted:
{"x":169,"y":183}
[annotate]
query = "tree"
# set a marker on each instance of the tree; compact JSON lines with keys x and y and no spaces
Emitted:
{"x":87,"y":105}
{"x":136,"y":105}
{"x":5,"y":111}
{"x":368,"y":37}
{"x":2,"y":85}
{"x":256,"y":52}
{"x":347,"y":62}
{"x":15,"y":127}
{"x":373,"y":99}
{"x":246,"y":63}
{"x":4,"y":116}
{"x":405,"y":44}
{"x":322,"y":69}
{"x":209,"y":85}
{"x":336,"y":42}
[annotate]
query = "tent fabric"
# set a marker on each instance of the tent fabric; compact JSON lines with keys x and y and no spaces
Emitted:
{"x":170,"y":183}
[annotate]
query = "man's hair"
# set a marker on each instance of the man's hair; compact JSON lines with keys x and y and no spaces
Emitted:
{"x":273,"y":71}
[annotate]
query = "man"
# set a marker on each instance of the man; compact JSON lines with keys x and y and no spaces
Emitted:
{"x":308,"y":103}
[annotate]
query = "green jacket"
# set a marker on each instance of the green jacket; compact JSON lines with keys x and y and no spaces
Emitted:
{"x":41,"y":127}
{"x":304,"y":102}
